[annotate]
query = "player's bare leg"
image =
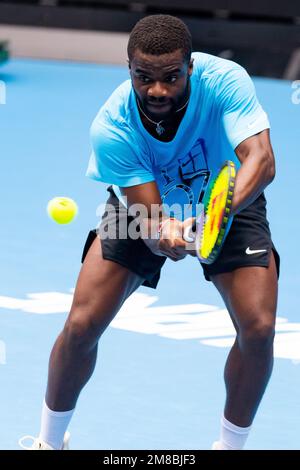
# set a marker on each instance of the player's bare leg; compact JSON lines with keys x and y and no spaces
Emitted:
{"x":250,"y":295}
{"x":101,"y":289}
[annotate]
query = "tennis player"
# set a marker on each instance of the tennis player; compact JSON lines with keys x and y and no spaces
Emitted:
{"x":158,"y":139}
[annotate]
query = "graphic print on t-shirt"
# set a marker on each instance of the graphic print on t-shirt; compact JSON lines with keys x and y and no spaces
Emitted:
{"x":183,"y":185}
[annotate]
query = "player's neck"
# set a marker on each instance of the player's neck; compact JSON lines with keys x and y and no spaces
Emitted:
{"x":170,"y":128}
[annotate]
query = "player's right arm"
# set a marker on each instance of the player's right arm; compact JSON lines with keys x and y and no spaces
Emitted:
{"x":163,"y":235}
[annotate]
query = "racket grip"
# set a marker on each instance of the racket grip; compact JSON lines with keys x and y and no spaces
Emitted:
{"x":189,"y":233}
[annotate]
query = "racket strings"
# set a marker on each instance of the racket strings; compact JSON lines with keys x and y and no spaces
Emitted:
{"x":217,"y":212}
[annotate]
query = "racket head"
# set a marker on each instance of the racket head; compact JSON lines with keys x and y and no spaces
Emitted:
{"x":215,"y":220}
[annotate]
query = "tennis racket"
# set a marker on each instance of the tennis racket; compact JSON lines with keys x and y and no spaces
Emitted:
{"x":212,"y":225}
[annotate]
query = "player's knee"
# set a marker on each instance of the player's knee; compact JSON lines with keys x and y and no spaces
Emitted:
{"x":81,"y":331}
{"x":78,"y":334}
{"x":258,"y":335}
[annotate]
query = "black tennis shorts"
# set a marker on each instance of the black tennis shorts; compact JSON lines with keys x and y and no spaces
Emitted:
{"x":248,"y":243}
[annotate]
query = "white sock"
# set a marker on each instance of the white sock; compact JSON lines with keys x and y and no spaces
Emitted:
{"x":232,"y":437}
{"x":54,"y":425}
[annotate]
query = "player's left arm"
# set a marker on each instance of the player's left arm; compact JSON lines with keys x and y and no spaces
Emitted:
{"x":247,"y":129}
{"x":257,"y":169}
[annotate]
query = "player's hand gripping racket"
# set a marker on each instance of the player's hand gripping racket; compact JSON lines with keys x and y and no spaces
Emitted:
{"x":212,"y":225}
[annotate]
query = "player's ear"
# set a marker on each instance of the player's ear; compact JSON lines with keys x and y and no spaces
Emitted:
{"x":190,"y":67}
{"x":128,"y":63}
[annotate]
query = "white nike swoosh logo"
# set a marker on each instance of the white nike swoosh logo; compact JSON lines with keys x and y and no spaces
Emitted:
{"x":253,"y":124}
{"x":262,"y":117}
{"x":252,"y":252}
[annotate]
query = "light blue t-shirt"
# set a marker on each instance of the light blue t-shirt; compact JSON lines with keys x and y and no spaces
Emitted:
{"x":223,"y":110}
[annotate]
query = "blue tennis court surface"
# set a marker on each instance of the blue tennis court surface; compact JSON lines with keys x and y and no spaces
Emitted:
{"x":158,"y":382}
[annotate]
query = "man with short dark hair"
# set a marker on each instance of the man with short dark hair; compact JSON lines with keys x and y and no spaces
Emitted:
{"x":158,"y":139}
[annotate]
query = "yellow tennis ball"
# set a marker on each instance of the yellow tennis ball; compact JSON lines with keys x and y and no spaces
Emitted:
{"x":62,"y":209}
